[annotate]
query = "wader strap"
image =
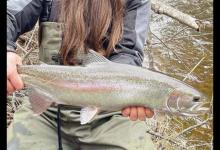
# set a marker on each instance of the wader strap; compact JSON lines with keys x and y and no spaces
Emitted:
{"x":76,"y":142}
{"x":58,"y":128}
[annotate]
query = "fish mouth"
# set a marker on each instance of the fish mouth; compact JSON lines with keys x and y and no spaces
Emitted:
{"x":196,"y":110}
{"x":197,"y":102}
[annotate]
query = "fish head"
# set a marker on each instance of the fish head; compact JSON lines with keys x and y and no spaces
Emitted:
{"x":187,"y":101}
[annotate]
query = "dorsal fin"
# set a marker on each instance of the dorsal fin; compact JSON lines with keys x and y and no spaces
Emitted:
{"x":91,"y":57}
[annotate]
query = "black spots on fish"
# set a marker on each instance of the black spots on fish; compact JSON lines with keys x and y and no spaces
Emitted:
{"x":141,"y":137}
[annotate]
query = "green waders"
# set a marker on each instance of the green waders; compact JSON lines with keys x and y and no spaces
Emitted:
{"x":108,"y":131}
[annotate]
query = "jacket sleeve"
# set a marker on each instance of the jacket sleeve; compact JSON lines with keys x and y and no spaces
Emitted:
{"x":22,"y":15}
{"x":136,"y":23}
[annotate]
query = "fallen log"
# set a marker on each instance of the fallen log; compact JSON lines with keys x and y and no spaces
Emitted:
{"x":198,"y":25}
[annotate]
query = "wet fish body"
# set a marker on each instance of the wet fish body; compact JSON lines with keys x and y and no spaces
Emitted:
{"x":108,"y":86}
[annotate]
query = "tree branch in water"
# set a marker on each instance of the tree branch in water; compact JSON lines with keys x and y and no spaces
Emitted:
{"x":161,"y":8}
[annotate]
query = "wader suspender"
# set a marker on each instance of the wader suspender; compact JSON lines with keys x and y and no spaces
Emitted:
{"x":76,"y":142}
{"x":58,"y":128}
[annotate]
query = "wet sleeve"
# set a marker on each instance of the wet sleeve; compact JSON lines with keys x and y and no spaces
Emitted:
{"x":136,"y":23}
{"x":22,"y":15}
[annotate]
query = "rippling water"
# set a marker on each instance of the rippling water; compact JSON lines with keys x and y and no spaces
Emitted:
{"x":176,"y":49}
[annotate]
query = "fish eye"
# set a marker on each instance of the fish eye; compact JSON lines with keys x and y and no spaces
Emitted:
{"x":196,"y":98}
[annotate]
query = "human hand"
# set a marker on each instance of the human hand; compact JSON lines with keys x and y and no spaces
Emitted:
{"x":14,"y":81}
{"x":137,"y":112}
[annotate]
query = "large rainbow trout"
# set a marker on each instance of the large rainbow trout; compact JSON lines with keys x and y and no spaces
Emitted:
{"x":101,"y":85}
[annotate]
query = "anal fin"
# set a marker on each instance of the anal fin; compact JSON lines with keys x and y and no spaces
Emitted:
{"x":39,"y":101}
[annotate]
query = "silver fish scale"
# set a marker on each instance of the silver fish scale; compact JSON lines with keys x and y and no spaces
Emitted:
{"x":110,"y":86}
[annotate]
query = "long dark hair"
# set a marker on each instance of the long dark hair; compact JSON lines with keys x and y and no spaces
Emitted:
{"x":88,"y":23}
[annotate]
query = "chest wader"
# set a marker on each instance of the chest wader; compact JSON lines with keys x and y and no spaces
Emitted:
{"x":107,"y":131}
{"x":50,"y":38}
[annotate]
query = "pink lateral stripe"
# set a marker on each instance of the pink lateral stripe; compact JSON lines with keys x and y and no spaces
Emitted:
{"x":88,"y":86}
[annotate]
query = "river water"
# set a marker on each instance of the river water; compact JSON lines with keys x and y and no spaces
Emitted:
{"x":175,"y":49}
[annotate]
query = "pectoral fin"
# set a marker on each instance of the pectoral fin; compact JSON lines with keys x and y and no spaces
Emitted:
{"x":87,"y":114}
{"x":39,"y":101}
